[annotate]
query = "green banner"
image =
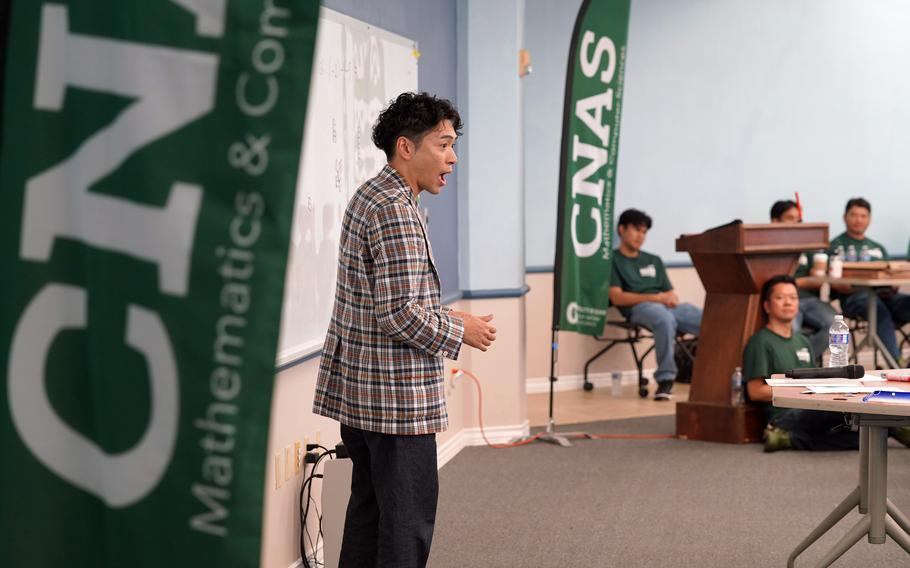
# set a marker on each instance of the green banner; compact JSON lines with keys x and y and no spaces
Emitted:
{"x":584,"y":247}
{"x":148,"y":164}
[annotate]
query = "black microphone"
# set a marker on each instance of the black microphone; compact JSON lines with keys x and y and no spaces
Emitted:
{"x":848,"y":372}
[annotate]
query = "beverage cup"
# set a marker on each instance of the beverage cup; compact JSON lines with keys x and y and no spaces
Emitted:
{"x":616,"y":384}
{"x":837,"y":268}
{"x":819,"y":264}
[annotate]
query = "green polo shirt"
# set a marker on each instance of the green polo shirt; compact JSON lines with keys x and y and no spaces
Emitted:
{"x":767,"y":353}
{"x":644,"y":274}
{"x":802,"y":270}
{"x":842,"y":242}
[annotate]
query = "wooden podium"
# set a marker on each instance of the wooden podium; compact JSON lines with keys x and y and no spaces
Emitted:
{"x":733,"y":262}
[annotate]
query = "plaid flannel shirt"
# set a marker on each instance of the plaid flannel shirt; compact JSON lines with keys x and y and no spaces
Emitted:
{"x":382,"y":362}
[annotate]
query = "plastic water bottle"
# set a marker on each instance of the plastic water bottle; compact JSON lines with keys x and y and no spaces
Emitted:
{"x":616,"y":384}
{"x":839,"y":342}
{"x":851,"y":253}
{"x":736,"y":387}
{"x":836,"y":268}
{"x":864,"y":254}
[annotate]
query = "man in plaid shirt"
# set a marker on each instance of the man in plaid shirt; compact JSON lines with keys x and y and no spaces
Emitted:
{"x":381,"y":373}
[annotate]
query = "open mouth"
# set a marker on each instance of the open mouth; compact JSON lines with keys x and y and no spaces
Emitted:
{"x":442,"y":178}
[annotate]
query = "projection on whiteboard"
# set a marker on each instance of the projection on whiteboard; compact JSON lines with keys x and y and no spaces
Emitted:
{"x":358,"y":69}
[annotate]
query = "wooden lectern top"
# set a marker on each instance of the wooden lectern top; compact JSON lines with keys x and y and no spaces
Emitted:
{"x":741,"y":238}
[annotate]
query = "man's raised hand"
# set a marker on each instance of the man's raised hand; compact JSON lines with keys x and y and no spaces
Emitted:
{"x":479,"y":333}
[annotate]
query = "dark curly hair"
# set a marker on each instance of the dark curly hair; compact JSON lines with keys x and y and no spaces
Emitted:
{"x":412,"y":115}
{"x":781,"y":207}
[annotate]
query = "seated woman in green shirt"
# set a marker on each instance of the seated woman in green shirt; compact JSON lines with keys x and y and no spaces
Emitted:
{"x":777,"y":349}
{"x":641,"y":289}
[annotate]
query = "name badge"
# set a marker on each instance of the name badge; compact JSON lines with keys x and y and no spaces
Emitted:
{"x":649,"y":271}
{"x":803,"y":355}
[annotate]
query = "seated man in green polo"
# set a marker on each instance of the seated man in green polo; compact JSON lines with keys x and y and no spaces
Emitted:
{"x":641,"y":289}
{"x":892,"y":307}
{"x":776,"y":348}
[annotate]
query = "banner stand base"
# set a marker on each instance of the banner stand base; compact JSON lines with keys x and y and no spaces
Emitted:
{"x":553,"y":437}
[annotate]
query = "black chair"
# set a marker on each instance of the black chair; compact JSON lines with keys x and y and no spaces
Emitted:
{"x":904,"y":330}
{"x":859,"y":324}
{"x":634,"y":334}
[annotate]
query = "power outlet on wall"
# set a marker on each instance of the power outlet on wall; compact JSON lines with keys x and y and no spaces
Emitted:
{"x":277,"y":468}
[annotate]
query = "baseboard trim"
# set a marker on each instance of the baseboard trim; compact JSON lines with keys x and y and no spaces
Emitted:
{"x":472,"y":437}
{"x":537,"y":385}
{"x":315,"y":558}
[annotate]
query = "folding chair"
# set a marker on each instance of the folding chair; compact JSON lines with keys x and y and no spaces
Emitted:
{"x":634,"y":334}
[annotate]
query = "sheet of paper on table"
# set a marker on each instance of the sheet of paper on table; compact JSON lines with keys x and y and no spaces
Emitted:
{"x":845,"y":390}
{"x":784,"y":382}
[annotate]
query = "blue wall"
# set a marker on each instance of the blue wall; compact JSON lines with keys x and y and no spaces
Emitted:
{"x":489,"y":90}
{"x":732,"y":105}
{"x":431,"y":23}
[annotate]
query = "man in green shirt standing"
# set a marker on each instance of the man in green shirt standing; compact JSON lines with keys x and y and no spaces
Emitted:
{"x":641,"y":289}
{"x":853,"y":245}
{"x":815,"y":315}
{"x":776,"y":348}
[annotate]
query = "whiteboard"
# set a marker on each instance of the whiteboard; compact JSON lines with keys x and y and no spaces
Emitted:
{"x":357,"y":70}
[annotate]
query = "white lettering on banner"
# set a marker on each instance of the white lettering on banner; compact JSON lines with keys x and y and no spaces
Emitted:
{"x":598,"y":159}
{"x":170,"y":89}
{"x":119,"y":480}
{"x":584,"y":250}
{"x":590,"y":111}
{"x":225,"y":383}
{"x":267,"y":59}
{"x":237,"y":263}
{"x":589,"y":66}
{"x":207,"y":522}
{"x":58,"y":202}
{"x":209,"y":15}
{"x":584,"y":108}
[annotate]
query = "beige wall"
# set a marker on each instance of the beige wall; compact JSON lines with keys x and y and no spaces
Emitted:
{"x":574,"y":348}
{"x":501,"y":371}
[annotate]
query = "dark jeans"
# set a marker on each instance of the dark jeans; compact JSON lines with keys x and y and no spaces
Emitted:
{"x":894,"y":308}
{"x":816,"y":430}
{"x":392,"y":511}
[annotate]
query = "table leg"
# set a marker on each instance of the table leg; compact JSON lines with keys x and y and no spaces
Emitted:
{"x":898,"y":516}
{"x":864,"y":469}
{"x":881,"y":518}
{"x":897,"y":533}
{"x":832,"y":519}
{"x":844,"y":544}
{"x":878,"y":482}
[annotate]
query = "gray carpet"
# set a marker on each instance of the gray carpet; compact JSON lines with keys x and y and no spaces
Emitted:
{"x":649,"y":503}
